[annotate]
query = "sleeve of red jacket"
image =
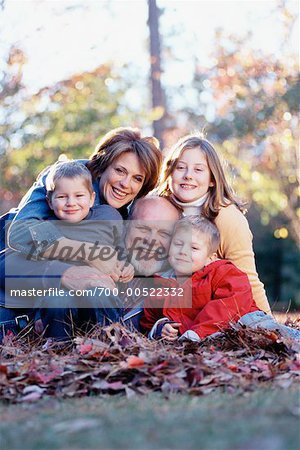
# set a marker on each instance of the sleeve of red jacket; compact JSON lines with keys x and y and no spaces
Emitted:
{"x":232,"y":298}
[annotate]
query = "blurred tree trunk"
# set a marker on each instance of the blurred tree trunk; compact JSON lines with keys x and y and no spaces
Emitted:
{"x":158,"y":97}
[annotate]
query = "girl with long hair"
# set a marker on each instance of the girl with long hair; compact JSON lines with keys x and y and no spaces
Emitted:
{"x":194,"y":180}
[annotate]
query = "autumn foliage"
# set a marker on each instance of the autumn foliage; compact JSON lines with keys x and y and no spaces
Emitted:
{"x":114,"y":360}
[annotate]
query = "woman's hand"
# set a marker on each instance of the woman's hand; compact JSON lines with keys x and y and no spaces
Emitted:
{"x":170,"y":332}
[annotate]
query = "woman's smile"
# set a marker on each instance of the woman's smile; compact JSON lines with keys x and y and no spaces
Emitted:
{"x":118,"y":193}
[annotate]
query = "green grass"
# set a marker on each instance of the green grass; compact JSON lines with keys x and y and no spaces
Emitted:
{"x":262,"y":420}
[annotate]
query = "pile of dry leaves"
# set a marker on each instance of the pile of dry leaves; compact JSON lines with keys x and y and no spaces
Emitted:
{"x":114,"y":360}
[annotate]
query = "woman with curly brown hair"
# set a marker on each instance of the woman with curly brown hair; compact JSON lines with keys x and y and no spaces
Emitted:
{"x":124,"y":166}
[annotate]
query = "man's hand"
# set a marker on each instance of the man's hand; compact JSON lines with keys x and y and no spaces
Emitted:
{"x":127,"y":271}
{"x":83,"y":277}
{"x":102,"y":257}
{"x":170,"y":332}
{"x":108,"y":266}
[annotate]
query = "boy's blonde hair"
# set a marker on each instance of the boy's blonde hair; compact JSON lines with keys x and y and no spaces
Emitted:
{"x":204,"y":226}
{"x":68,"y":169}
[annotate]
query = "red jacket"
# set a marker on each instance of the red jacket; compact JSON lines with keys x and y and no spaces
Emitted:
{"x":213,"y":297}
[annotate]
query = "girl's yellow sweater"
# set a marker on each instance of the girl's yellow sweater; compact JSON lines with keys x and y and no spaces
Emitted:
{"x":236,"y":245}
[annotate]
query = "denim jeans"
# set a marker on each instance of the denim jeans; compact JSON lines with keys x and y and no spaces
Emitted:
{"x":59,"y":321}
{"x":132,"y":319}
{"x":261,"y":320}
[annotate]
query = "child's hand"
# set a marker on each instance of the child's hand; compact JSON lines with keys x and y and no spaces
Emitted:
{"x":169,"y":332}
{"x":127,"y":271}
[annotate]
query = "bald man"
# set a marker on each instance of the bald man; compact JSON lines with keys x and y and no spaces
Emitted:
{"x":148,"y":234}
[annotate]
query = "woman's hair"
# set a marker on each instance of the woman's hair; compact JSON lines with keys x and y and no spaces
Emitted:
{"x":122,"y":140}
{"x":201,"y":225}
{"x":67,"y":169}
{"x":220,"y":194}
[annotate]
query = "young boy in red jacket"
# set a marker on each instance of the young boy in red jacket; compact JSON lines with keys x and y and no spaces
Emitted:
{"x":202,"y":294}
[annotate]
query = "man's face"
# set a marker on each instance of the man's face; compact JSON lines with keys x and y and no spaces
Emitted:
{"x":149,"y":235}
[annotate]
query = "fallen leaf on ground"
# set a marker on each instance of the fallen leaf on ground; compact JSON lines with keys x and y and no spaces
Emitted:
{"x":113,"y":360}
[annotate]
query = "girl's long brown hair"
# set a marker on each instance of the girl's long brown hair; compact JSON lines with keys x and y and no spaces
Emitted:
{"x":220,"y":194}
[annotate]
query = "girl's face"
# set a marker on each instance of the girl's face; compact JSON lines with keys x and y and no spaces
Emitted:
{"x":191,"y":177}
{"x":122,"y":180}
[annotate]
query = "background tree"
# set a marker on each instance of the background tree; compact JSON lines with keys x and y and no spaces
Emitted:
{"x":245,"y":100}
{"x":249,"y":102}
{"x":66,"y":120}
{"x":255,"y":119}
{"x":157,"y":92}
{"x":11,"y":95}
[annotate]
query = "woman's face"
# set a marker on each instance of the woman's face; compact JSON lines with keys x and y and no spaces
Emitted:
{"x":191,"y":177}
{"x":121,"y":182}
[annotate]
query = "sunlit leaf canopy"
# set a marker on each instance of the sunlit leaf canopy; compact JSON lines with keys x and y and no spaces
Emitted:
{"x":256,"y":124}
